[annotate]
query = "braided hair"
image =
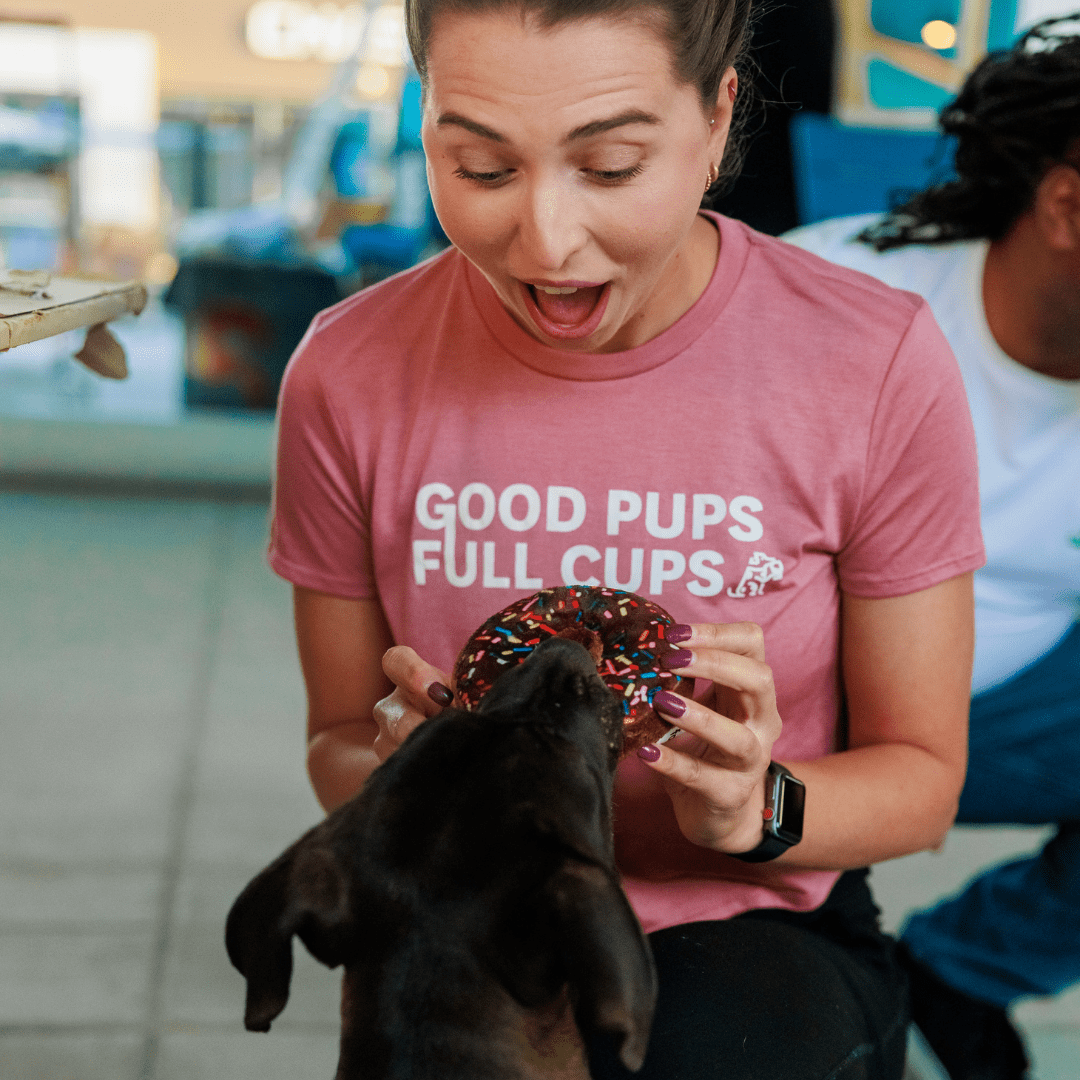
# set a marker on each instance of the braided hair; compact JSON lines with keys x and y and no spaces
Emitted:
{"x":1017,"y":114}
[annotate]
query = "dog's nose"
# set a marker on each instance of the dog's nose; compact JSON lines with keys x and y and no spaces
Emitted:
{"x":564,"y":667}
{"x":557,"y":668}
{"x":565,"y":651}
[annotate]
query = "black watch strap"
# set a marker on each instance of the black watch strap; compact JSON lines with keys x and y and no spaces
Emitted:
{"x":785,"y":799}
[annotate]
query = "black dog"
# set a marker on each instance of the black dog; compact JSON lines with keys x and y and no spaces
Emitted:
{"x":470,"y":892}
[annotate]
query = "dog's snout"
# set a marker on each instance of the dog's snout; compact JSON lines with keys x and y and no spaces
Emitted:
{"x":558,"y":669}
{"x":566,"y":652}
{"x":562,"y":668}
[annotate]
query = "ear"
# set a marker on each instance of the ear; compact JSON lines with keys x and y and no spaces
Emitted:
{"x":607,"y":959}
{"x":303,"y":892}
{"x":1057,"y":207}
{"x":720,"y":117}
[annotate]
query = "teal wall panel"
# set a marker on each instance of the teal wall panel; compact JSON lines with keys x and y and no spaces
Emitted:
{"x":891,"y":88}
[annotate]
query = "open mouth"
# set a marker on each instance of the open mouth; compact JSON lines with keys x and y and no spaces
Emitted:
{"x":567,"y":311}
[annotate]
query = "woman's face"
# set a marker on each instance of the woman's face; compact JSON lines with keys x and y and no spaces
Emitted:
{"x":568,"y":165}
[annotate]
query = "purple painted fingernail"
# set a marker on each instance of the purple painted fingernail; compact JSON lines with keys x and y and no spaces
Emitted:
{"x":649,"y":753}
{"x":679,"y":632}
{"x":669,"y":704}
{"x":441,"y":695}
{"x":677,"y":658}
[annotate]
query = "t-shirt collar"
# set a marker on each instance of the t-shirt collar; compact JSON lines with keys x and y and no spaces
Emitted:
{"x":596,"y":367}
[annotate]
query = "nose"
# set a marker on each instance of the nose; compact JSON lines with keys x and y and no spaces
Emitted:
{"x":557,"y":668}
{"x":551,"y":226}
{"x":566,"y":653}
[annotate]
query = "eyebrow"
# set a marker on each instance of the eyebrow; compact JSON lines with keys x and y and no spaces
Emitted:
{"x":586,"y":131}
{"x":598,"y":127}
{"x":457,"y":120}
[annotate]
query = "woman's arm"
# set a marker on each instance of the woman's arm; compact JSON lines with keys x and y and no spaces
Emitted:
{"x":356,"y":715}
{"x":907,"y":674}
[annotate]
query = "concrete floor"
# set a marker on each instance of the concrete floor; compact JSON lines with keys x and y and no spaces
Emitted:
{"x":151,"y":711}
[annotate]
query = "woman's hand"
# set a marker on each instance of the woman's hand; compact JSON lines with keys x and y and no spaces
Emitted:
{"x":420,"y":691}
{"x":715,"y":774}
{"x":893,"y":790}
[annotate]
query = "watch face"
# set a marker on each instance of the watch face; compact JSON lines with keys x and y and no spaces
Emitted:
{"x":790,"y":802}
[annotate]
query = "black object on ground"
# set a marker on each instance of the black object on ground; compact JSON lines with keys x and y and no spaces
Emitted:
{"x":242,"y":321}
{"x":973,"y":1039}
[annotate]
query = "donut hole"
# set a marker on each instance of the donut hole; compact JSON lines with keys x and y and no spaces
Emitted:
{"x":589,"y":638}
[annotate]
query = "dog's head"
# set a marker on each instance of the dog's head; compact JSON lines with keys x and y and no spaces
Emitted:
{"x":499,"y":817}
{"x":557,"y":689}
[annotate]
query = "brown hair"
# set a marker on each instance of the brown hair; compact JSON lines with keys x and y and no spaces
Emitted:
{"x":706,"y":38}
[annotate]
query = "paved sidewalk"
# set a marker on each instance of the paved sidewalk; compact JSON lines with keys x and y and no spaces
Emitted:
{"x":151,"y":712}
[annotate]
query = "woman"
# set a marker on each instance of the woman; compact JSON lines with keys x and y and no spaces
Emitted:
{"x":600,"y":383}
{"x":996,"y":253}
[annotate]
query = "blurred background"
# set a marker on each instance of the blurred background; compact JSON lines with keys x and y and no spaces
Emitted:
{"x":252,"y":161}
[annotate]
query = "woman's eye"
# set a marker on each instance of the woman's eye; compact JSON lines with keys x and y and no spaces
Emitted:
{"x":487,"y":179}
{"x":615,"y":176}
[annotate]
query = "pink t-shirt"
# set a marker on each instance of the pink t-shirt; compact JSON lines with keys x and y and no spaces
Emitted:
{"x":802,"y":429}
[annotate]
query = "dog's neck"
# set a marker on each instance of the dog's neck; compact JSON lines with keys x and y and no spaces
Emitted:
{"x":516,"y":1043}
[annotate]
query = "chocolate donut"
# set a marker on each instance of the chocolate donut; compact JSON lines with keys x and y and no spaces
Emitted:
{"x":623,"y":632}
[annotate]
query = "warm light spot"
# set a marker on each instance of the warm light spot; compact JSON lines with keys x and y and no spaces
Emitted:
{"x":160,"y":268}
{"x":372,"y":81}
{"x":939,"y":34}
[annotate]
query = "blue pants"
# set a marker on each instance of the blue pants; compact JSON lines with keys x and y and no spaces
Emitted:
{"x":1015,"y":929}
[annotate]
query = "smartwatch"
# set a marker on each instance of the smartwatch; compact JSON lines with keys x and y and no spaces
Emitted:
{"x":785,"y":799}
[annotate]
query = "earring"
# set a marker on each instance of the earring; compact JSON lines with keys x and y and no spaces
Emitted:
{"x":711,"y":177}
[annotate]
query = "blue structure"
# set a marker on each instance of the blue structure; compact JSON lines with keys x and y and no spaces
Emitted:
{"x":843,"y":170}
{"x":890,"y":88}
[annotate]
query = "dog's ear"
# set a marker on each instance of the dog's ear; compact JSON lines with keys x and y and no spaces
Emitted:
{"x":606,"y":957}
{"x":303,"y":892}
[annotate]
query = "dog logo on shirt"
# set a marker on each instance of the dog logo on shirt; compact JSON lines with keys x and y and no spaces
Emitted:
{"x":760,"y":570}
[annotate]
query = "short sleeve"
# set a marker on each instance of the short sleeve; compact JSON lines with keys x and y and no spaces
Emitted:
{"x":319,"y":531}
{"x":917,"y":522}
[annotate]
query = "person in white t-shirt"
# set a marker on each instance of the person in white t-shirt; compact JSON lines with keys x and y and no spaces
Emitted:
{"x":996,"y":253}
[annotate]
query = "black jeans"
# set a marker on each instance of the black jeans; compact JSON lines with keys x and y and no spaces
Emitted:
{"x":776,"y":995}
